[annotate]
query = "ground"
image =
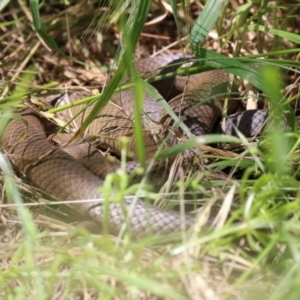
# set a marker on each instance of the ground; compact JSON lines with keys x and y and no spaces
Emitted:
{"x":254,"y":255}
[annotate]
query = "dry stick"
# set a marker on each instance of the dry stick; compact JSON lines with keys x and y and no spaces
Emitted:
{"x":22,"y":66}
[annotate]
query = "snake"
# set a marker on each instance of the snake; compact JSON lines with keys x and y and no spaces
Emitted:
{"x":62,"y":175}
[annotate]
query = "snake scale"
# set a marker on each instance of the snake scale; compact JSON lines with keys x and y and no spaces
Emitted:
{"x":63,"y":176}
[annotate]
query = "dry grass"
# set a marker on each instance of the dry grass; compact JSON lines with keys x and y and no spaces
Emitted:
{"x":254,"y":259}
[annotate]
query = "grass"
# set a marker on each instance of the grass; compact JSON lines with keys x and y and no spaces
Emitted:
{"x":253,"y":250}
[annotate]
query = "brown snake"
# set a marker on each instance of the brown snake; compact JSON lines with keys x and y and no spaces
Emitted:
{"x":63,"y":177}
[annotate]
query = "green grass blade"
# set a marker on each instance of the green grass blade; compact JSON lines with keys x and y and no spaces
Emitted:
{"x":204,"y":23}
{"x":282,"y":33}
{"x":34,"y":8}
{"x":236,"y":67}
{"x":279,"y":143}
{"x":3,"y":3}
{"x":28,"y":227}
{"x":131,"y":32}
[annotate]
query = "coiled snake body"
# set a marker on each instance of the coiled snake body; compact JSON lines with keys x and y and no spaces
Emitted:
{"x":63,"y":177}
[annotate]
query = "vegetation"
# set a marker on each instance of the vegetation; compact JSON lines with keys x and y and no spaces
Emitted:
{"x":253,"y":250}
